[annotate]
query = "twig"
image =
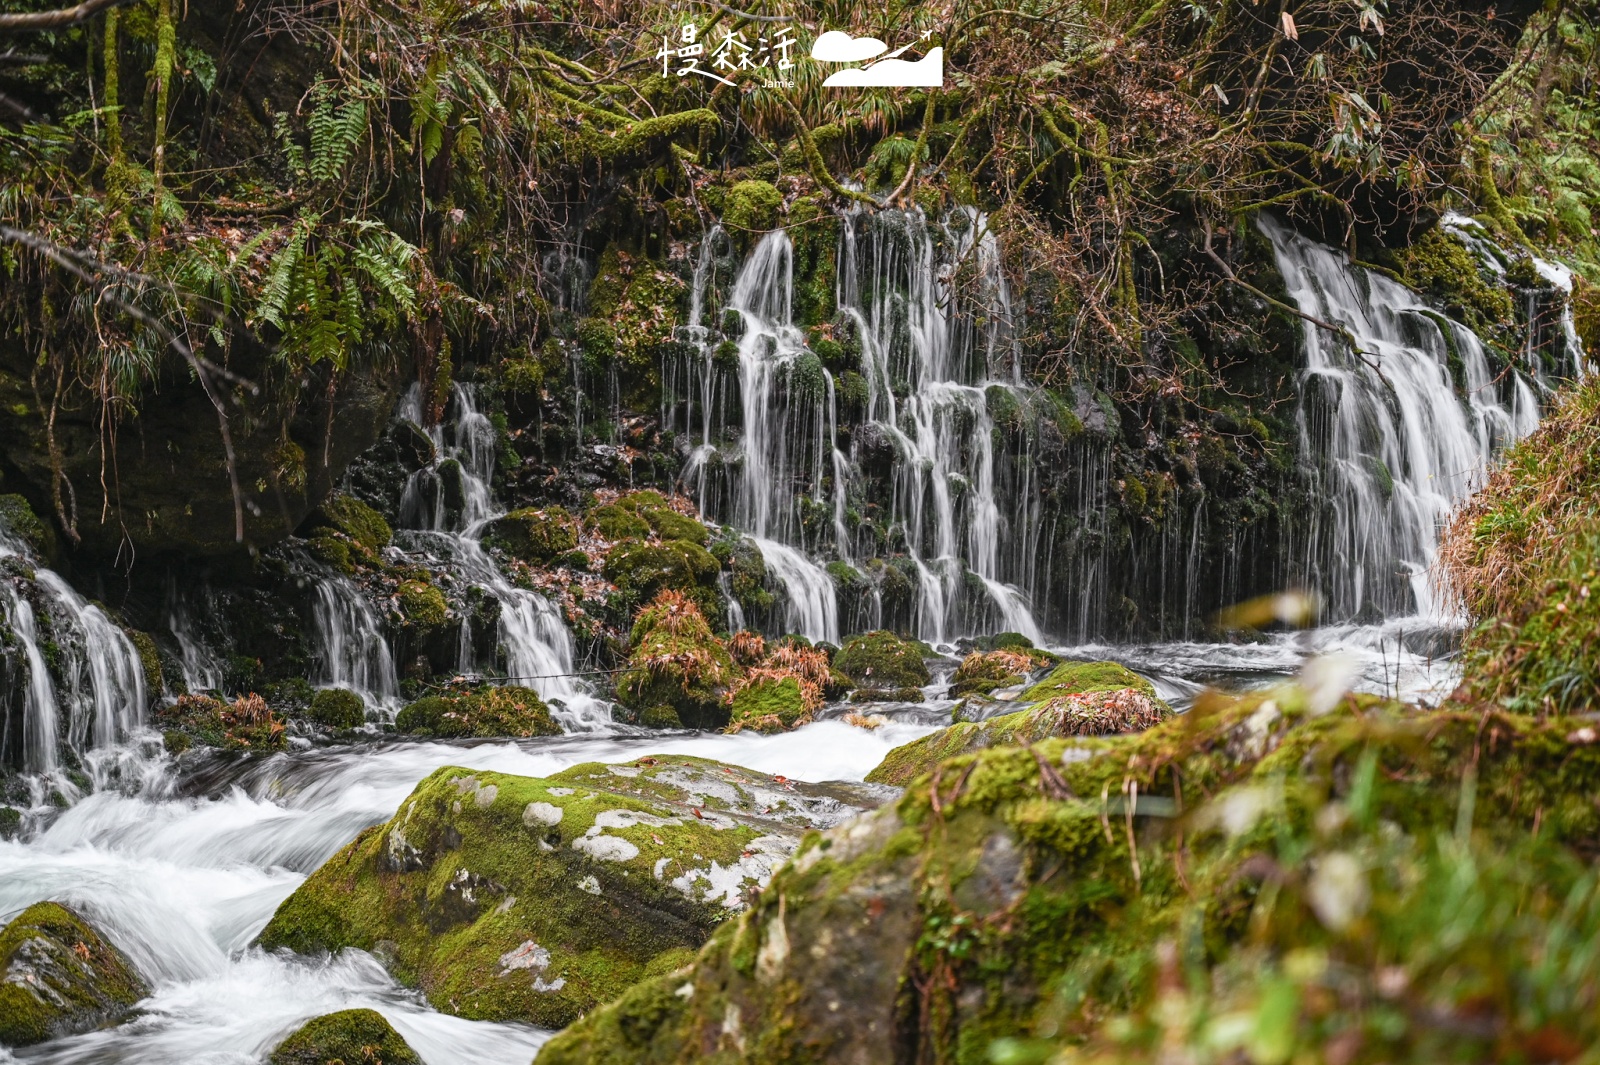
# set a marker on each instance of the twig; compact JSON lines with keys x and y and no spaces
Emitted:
{"x":61,"y":18}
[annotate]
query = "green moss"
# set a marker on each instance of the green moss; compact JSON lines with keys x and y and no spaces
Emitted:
{"x":882,"y":660}
{"x":769,"y":704}
{"x":348,"y":515}
{"x":617,"y":523}
{"x":533,"y":534}
{"x":423,"y":605}
{"x":752,"y":205}
{"x":1440,"y":265}
{"x":349,"y":1037}
{"x":246,"y":724}
{"x":985,"y":671}
{"x":520,"y":898}
{"x":1072,"y":678}
{"x":332,"y":551}
{"x":18,"y":518}
{"x":677,"y":663}
{"x":338,"y":708}
{"x":482,"y":713}
{"x":647,"y":568}
{"x":62,"y":977}
{"x":149,"y":662}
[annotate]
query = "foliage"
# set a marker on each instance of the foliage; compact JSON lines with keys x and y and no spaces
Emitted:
{"x":1523,"y":554}
{"x":480,"y":713}
{"x":246,"y":724}
{"x":676,"y":662}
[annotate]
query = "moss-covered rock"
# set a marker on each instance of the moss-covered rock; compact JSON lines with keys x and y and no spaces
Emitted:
{"x":348,"y":515}
{"x":1100,"y":713}
{"x":18,"y":519}
{"x":1342,"y":878}
{"x":752,"y":205}
{"x":149,"y":662}
{"x":337,"y":708}
{"x":769,"y":704}
{"x":423,"y":604}
{"x":648,"y":568}
{"x":678,"y":664}
{"x":982,"y":672}
{"x":617,"y":523}
{"x":1075,"y":678}
{"x":535,"y":535}
{"x":882,"y":660}
{"x":60,"y":977}
{"x":349,"y":1037}
{"x":479,"y":713}
{"x":535,"y":899}
{"x":246,"y":724}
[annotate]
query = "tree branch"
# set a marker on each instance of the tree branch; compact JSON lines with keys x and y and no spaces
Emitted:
{"x":61,"y":18}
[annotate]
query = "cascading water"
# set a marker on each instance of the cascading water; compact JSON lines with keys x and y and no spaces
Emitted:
{"x":351,"y":646}
{"x":1393,"y":437}
{"x":448,"y":504}
{"x":932,"y":314}
{"x":69,"y":678}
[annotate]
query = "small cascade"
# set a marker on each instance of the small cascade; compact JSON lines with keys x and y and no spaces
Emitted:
{"x":929,"y":307}
{"x":203,"y":667}
{"x":70,"y":679}
{"x":452,"y":501}
{"x":1393,"y":436}
{"x":351,"y":646}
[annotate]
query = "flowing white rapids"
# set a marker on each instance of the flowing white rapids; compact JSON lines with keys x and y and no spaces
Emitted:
{"x":183,"y":885}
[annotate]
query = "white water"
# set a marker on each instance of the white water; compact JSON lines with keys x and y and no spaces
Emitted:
{"x":933,"y":317}
{"x":1397,"y":442}
{"x":183,"y":885}
{"x":94,"y":698}
{"x":351,"y":646}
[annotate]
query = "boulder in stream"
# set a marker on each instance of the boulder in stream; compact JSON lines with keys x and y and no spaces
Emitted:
{"x":349,"y":1037}
{"x":483,"y":713}
{"x":58,"y":977}
{"x":536,"y":899}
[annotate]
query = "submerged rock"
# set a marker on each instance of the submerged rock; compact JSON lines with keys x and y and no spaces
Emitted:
{"x":1098,"y":713}
{"x":60,"y":977}
{"x":349,"y":1037}
{"x":536,"y":899}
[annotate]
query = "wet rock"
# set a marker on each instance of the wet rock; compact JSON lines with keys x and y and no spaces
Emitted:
{"x":483,"y":713}
{"x":60,"y":977}
{"x":349,"y":1037}
{"x":1073,"y":678}
{"x":985,"y":672}
{"x":536,"y":899}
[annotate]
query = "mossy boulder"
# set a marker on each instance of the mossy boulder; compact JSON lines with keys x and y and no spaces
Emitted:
{"x":752,"y":205}
{"x":345,"y":514}
{"x":479,"y":713}
{"x":648,"y":568}
{"x":149,"y":662}
{"x":617,"y":523}
{"x":338,"y":708}
{"x":423,"y":605}
{"x":769,"y":704}
{"x":882,"y":660}
{"x":1074,"y":678}
{"x":1100,"y":713}
{"x":533,"y":534}
{"x":983,"y":672}
{"x":535,"y":899}
{"x":349,"y":1037}
{"x":639,"y":514}
{"x":1323,"y":872}
{"x":676,"y":664}
{"x":60,"y":977}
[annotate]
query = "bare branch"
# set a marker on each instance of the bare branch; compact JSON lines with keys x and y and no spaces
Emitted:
{"x":59,"y":19}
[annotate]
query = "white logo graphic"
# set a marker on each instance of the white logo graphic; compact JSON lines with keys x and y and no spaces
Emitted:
{"x":837,"y":47}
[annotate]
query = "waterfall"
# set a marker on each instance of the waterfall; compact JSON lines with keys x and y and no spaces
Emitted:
{"x":1391,"y":438}
{"x":69,"y":675}
{"x":203,"y":668}
{"x":931,"y":310}
{"x":351,"y":645}
{"x":451,"y":501}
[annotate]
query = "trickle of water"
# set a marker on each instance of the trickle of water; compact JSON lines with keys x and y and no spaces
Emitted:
{"x":202,"y":665}
{"x":1393,"y":438}
{"x":351,"y":646}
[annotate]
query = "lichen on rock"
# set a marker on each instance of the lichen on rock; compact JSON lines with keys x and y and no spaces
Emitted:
{"x":58,"y":977}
